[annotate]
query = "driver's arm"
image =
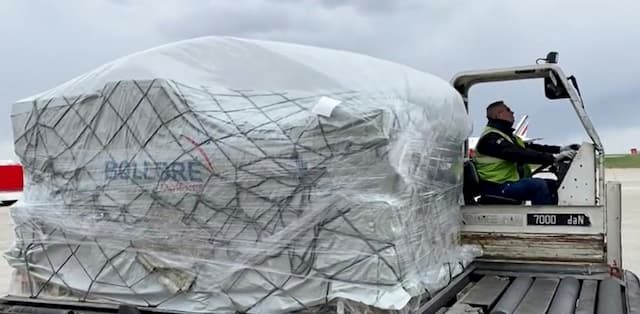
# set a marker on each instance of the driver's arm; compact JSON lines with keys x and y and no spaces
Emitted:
{"x":496,"y":146}
{"x":551,"y":149}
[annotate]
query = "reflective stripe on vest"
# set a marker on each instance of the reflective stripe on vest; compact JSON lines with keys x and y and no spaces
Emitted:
{"x":494,"y":169}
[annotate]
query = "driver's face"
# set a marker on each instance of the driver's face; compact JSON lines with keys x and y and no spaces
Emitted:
{"x":506,"y":114}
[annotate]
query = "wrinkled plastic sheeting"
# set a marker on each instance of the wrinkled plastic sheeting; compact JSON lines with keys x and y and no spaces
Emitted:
{"x":222,"y":174}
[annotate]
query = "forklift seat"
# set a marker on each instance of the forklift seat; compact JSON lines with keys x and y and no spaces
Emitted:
{"x":471,"y":189}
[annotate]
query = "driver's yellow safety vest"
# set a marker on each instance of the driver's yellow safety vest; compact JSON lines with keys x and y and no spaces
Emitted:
{"x":498,"y":170}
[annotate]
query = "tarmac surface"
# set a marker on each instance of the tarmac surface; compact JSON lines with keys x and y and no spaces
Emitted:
{"x":630,"y":179}
{"x":6,"y":240}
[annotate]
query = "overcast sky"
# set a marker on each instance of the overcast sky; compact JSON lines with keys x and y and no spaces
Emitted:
{"x":45,"y":43}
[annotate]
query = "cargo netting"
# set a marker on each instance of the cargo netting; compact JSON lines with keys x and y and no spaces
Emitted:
{"x":231,"y":175}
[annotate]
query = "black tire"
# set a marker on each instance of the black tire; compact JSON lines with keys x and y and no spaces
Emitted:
{"x":7,"y":203}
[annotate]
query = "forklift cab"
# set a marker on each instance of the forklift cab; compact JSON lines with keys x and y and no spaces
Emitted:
{"x":583,"y":228}
{"x":577,"y":179}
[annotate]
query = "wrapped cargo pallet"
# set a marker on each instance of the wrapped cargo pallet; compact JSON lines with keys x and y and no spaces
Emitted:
{"x":224,"y":175}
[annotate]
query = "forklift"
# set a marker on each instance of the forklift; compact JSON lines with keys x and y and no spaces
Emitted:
{"x":564,"y":258}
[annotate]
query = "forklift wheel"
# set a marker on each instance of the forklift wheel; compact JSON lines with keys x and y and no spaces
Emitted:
{"x":7,"y":203}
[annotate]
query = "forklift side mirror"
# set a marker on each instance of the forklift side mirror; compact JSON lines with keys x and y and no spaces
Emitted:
{"x":553,"y":89}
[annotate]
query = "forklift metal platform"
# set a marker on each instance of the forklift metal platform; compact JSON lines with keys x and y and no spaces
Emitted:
{"x":487,"y":287}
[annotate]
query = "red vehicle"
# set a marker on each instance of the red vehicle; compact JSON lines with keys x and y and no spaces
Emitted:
{"x":11,"y":182}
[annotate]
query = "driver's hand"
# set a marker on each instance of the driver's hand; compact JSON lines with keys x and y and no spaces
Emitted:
{"x":570,"y":147}
{"x":567,"y":154}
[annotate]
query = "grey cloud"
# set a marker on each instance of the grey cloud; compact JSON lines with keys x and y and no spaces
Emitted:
{"x":364,"y":6}
{"x":343,"y":25}
{"x":223,"y":18}
{"x":122,"y":2}
{"x":379,"y":7}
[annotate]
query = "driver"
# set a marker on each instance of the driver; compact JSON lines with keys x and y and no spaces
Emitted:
{"x":502,"y":160}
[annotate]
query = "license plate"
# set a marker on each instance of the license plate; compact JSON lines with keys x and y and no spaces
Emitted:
{"x":580,"y":220}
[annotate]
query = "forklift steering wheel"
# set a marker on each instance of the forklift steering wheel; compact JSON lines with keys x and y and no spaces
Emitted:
{"x":548,"y":167}
{"x":558,"y":168}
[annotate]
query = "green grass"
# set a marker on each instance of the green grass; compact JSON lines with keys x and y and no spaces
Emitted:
{"x":622,"y":161}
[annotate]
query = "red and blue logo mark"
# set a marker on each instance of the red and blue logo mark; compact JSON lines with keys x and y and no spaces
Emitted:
{"x":200,"y":151}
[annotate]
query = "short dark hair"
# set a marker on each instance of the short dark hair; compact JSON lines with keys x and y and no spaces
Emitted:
{"x":492,"y":106}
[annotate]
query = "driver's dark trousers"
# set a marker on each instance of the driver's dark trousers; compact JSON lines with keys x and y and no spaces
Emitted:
{"x":537,"y":190}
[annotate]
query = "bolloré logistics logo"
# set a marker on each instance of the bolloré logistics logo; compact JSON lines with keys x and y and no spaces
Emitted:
{"x":186,"y":175}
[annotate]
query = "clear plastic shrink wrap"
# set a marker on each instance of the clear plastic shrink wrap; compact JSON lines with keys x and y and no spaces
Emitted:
{"x":223,"y":174}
